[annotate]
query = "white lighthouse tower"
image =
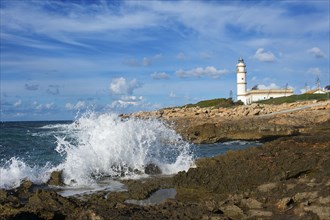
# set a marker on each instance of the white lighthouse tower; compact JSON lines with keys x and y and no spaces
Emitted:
{"x":241,"y":81}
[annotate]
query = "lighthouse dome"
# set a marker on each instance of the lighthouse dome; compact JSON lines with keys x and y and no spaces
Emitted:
{"x":240,"y":63}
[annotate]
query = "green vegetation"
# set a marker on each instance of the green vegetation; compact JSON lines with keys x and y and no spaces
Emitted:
{"x":295,"y":98}
{"x":225,"y":103}
{"x":217,"y":103}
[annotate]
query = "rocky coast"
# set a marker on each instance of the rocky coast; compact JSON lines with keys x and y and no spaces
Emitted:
{"x":288,"y":177}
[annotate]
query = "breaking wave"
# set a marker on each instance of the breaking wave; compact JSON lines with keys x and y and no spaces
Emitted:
{"x":98,"y":146}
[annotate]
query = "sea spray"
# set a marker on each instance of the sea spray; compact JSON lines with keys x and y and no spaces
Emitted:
{"x":106,"y":145}
{"x":15,"y":170}
{"x":90,"y":150}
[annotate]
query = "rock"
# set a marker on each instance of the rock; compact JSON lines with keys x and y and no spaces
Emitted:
{"x":323,"y":212}
{"x":232,"y":211}
{"x":302,"y":196}
{"x":56,"y":178}
{"x":259,"y":213}
{"x":152,"y":169}
{"x":284,"y":203}
{"x":26,"y":185}
{"x":3,"y":196}
{"x":251,"y":203}
{"x":324,"y":200}
{"x":267,"y":187}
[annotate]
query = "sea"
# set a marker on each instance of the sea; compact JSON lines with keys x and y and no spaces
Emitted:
{"x":96,"y":150}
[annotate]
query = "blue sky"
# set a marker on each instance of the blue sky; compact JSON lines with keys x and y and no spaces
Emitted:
{"x":61,"y":58}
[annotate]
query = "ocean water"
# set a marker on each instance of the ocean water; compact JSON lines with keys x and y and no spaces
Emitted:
{"x":95,"y":150}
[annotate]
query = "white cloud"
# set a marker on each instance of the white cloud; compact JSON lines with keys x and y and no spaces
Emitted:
{"x":209,"y":71}
{"x":305,"y":89}
{"x":79,"y":105}
{"x":159,"y":75}
{"x":18,"y":103}
{"x":121,"y":86}
{"x":270,"y":86}
{"x":264,"y":56}
{"x":49,"y":105}
{"x":172,"y":95}
{"x":43,"y":107}
{"x":127,"y":101}
{"x":314,"y":71}
{"x":146,"y":61}
{"x":316,"y":52}
{"x":122,"y":90}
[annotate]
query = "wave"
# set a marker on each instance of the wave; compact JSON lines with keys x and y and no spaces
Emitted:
{"x":98,"y":146}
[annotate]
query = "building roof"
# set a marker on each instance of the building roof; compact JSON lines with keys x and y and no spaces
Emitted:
{"x":269,"y":91}
{"x":313,"y":91}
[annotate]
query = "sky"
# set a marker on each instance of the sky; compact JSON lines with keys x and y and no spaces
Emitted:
{"x":60,"y":59}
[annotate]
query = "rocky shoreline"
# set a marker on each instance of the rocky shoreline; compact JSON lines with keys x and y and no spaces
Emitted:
{"x":288,"y":177}
{"x":246,"y":122}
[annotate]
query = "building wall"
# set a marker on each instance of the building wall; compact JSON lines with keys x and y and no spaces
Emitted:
{"x":258,"y":95}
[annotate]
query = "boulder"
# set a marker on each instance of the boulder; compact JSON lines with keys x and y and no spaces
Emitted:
{"x":232,"y":211}
{"x":152,"y":169}
{"x":56,"y":178}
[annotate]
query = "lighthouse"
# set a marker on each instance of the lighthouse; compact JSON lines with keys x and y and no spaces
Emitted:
{"x":241,"y":81}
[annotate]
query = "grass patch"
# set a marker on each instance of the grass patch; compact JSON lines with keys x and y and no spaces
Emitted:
{"x":295,"y":98}
{"x":217,"y":103}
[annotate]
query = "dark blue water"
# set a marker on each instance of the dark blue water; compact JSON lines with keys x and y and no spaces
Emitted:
{"x":32,"y":142}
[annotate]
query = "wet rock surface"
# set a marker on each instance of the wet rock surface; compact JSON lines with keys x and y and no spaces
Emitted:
{"x":286,"y":178}
{"x":55,"y":179}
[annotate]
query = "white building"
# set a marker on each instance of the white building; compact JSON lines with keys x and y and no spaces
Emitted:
{"x":255,"y":94}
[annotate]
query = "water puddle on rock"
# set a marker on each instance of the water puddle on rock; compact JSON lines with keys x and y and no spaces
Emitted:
{"x":156,"y":198}
{"x":106,"y":186}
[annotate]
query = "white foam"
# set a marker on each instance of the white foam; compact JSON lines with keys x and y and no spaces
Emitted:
{"x":16,"y":170}
{"x":107,"y":145}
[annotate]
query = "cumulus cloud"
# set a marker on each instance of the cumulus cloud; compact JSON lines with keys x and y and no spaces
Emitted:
{"x":270,"y":86}
{"x":314,"y":71}
{"x":122,"y":94}
{"x":264,"y":56}
{"x":126,"y":102}
{"x":18,"y":103}
{"x":305,"y":89}
{"x":316,"y":52}
{"x":45,"y":107}
{"x":122,"y":86}
{"x":209,"y":71}
{"x":53,"y":89}
{"x":159,"y":75}
{"x":78,"y":106}
{"x":31,"y":87}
